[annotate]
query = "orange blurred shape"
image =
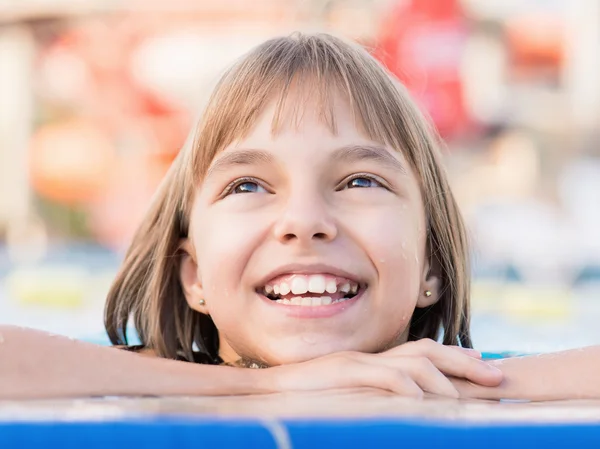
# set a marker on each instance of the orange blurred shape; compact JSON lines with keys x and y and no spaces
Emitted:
{"x":536,"y":40}
{"x":70,"y":161}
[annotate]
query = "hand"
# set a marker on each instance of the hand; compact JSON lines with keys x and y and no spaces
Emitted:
{"x":411,"y":369}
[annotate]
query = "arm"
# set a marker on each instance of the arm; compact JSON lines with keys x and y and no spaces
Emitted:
{"x":573,"y":374}
{"x":34,"y":364}
{"x":37,"y":365}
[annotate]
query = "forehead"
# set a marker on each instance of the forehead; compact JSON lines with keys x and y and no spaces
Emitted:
{"x":301,"y":134}
{"x":282,"y":115}
{"x":307,"y":143}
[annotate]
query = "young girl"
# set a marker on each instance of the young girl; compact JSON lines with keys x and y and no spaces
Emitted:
{"x":309,"y":230}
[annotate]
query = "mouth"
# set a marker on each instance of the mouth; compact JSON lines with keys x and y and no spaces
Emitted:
{"x":310,"y":290}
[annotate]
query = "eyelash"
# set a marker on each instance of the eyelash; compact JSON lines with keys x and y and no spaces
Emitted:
{"x":236,"y":183}
{"x":371,"y":177}
{"x":229,"y":189}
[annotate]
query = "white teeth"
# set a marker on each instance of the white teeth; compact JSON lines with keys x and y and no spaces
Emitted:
{"x":307,"y":301}
{"x":331,"y":286}
{"x":316,"y":284}
{"x":284,"y":288}
{"x":299,"y":285}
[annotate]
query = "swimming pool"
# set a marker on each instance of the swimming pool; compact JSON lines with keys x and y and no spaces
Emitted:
{"x":315,"y":420}
{"x":350,"y":419}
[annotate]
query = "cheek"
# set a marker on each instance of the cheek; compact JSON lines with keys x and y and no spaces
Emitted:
{"x":396,"y":248}
{"x":223,"y":246}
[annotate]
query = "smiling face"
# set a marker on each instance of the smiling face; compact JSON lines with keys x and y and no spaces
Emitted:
{"x":306,"y":242}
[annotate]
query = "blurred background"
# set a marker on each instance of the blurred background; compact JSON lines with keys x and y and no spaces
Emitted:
{"x":98,"y":96}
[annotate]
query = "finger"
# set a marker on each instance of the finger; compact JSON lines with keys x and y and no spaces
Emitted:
{"x":467,"y":351}
{"x":428,"y":377}
{"x":387,"y":378}
{"x":458,"y":364}
{"x":414,"y":348}
{"x":453,"y":362}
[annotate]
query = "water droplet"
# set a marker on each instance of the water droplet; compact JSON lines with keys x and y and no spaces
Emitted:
{"x":1,"y":338}
{"x":382,"y":260}
{"x":403,"y":244}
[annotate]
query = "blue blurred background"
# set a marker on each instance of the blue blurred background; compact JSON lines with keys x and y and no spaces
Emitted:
{"x":97,"y":96}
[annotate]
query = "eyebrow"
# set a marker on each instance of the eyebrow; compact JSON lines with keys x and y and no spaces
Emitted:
{"x":376,"y":153}
{"x":348,"y":153}
{"x":241,"y":157}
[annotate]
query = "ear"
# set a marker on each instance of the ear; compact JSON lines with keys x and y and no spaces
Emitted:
{"x":188,"y":277}
{"x":431,"y":281}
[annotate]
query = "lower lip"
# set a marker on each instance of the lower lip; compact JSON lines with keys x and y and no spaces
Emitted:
{"x":313,"y":311}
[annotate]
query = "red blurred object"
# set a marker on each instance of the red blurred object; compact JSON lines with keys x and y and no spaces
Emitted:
{"x":112,"y":96}
{"x":422,"y":43}
{"x":111,"y":159}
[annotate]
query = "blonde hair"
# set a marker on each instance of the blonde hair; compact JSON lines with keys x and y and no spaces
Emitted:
{"x":147,"y":287}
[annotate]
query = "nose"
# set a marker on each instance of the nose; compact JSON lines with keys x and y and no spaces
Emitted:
{"x":305,"y":218}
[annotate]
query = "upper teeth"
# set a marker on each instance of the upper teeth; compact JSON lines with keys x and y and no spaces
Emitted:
{"x":299,"y":285}
{"x":314,"y":283}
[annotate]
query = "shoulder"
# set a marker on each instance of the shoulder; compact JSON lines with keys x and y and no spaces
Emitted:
{"x":198,"y":357}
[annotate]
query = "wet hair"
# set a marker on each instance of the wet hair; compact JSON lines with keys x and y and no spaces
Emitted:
{"x":147,"y":288}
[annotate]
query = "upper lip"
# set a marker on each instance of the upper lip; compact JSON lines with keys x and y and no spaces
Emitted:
{"x":308,"y":269}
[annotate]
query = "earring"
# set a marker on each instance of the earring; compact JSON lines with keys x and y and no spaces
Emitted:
{"x":202,"y":302}
{"x":427,"y":293}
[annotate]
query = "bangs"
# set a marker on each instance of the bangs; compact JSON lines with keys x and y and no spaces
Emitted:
{"x":300,"y":74}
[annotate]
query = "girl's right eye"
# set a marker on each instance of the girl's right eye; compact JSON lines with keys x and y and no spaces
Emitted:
{"x":244,"y":185}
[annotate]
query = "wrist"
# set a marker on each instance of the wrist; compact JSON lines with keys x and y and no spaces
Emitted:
{"x":266,"y":380}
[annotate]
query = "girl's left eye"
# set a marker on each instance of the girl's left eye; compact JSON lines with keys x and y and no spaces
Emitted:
{"x":247,"y":187}
{"x":362,"y":182}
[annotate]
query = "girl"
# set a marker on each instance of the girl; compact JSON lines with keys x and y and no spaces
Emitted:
{"x":309,"y":228}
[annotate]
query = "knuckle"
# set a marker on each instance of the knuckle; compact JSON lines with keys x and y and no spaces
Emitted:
{"x":422,"y":363}
{"x":422,"y":346}
{"x":428,"y":343}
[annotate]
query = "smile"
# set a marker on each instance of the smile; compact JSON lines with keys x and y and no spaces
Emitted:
{"x":310,"y":290}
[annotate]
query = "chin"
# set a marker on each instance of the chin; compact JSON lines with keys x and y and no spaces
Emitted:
{"x":301,"y":352}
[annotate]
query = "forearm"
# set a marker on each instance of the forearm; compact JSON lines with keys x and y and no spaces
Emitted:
{"x":34,"y":364}
{"x":573,"y":374}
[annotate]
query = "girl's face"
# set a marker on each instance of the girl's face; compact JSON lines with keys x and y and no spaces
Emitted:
{"x":307,"y":242}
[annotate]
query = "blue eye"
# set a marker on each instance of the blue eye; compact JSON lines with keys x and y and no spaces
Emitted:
{"x":244,"y":186}
{"x":362,"y":182}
